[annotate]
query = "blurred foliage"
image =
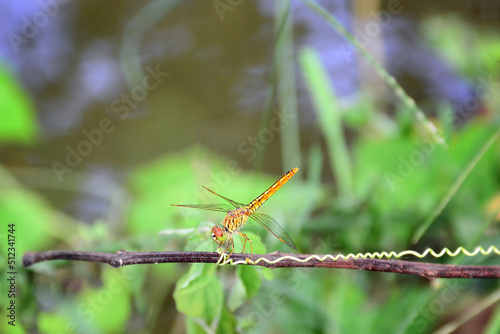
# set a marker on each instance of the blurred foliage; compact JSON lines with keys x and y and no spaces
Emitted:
{"x":459,"y":44}
{"x":18,"y":124}
{"x":399,"y":175}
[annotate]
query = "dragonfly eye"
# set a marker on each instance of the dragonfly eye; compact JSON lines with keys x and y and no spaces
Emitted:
{"x":218,"y":234}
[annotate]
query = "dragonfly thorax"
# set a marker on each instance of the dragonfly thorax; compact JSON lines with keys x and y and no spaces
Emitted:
{"x":235,"y":219}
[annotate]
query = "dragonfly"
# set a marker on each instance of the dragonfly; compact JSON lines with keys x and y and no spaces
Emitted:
{"x":237,"y":215}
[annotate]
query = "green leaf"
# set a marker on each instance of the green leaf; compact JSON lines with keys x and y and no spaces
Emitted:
{"x":267,"y":273}
{"x":246,"y":285}
{"x":227,"y":322}
{"x":194,"y":327}
{"x":237,"y":296}
{"x":250,"y":278}
{"x":198,"y":294}
{"x":52,"y":323}
{"x":257,"y":244}
{"x":17,"y":117}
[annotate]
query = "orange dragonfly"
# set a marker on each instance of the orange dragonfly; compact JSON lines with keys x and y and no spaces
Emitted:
{"x":238,"y":213}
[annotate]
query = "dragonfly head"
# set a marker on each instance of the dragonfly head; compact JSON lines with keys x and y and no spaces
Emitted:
{"x":219,"y":234}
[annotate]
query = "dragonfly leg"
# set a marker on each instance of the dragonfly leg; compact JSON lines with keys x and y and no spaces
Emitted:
{"x":244,"y":236}
{"x":230,"y":242}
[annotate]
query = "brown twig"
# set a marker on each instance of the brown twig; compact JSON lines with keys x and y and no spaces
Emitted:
{"x":124,"y":258}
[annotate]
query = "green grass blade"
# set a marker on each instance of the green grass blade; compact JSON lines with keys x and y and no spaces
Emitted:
{"x":330,"y":120}
{"x":494,"y":323}
{"x":285,"y":66}
{"x":471,"y":312}
{"x":454,"y":188}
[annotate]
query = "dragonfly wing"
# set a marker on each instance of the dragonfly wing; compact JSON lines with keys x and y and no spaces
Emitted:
{"x":234,"y":203}
{"x":274,"y":227}
{"x":210,"y":207}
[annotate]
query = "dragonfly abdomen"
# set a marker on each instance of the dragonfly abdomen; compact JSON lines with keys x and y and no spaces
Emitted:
{"x":257,"y":203}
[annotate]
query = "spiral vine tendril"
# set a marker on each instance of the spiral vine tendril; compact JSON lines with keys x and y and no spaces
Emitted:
{"x":225,"y":258}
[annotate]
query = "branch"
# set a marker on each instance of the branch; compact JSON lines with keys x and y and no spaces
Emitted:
{"x":124,"y":258}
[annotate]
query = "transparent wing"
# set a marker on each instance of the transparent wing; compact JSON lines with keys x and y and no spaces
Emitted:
{"x":234,"y":203}
{"x":210,"y":207}
{"x":274,"y":227}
